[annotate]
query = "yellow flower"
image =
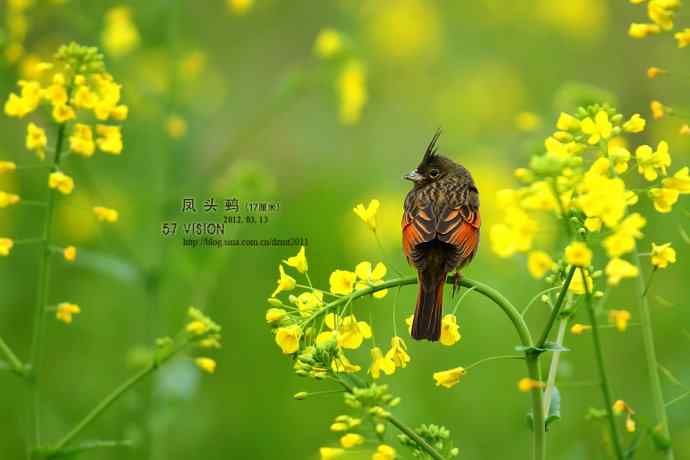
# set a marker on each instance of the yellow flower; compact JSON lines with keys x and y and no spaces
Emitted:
{"x":368,"y":277}
{"x":285,"y":282}
{"x":299,"y":261}
{"x":110,"y":139}
{"x":652,"y":73}
{"x":104,"y":214}
{"x":619,"y":318}
{"x":176,"y":127}
{"x":384,"y":452}
{"x":347,"y":331}
{"x":617,"y":269}
{"x":351,"y":86}
{"x":275,"y":314}
{"x":368,"y":214}
{"x":599,"y":128}
{"x":527,"y":384}
{"x":206,"y":364}
{"x":683,"y":38}
{"x":398,"y":352}
{"x":62,"y":182}
{"x":330,"y":453}
{"x":63,"y":113}
{"x":527,"y":121}
{"x":288,"y":338}
{"x":36,"y":139}
{"x":567,"y":122}
{"x":342,"y":282}
{"x":630,"y":424}
{"x":602,"y":197}
{"x":623,"y":240}
{"x":620,"y":156}
{"x":449,"y":378}
{"x":342,"y":364}
{"x":648,"y":162}
{"x":593,"y":224}
{"x":81,"y":140}
{"x":351,"y":440}
{"x":679,"y":182}
{"x":684,"y":130}
{"x":619,"y":407}
{"x":663,"y":198}
{"x":658,"y":109}
{"x":515,"y":235}
{"x":307,"y":302}
{"x":450,"y":331}
{"x":84,"y":98}
{"x":577,"y":284}
{"x":19,"y":107}
{"x":239,"y":7}
{"x":7,"y":166}
{"x":579,"y":329}
{"x":8,"y":199}
{"x":577,"y":253}
{"x":663,"y":255}
{"x":5,"y":246}
{"x":539,"y":263}
{"x":637,"y":30}
{"x":380,"y":363}
{"x":635,"y":124}
{"x":120,"y":35}
{"x":70,"y":253}
{"x":328,"y":43}
{"x":65,"y":311}
{"x":197,"y":327}
{"x":661,"y":12}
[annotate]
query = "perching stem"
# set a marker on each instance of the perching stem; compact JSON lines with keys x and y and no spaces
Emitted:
{"x":421,"y":442}
{"x":556,"y":308}
{"x":531,"y":354}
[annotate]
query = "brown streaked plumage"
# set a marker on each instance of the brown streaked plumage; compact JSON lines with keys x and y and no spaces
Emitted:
{"x":440,"y":232}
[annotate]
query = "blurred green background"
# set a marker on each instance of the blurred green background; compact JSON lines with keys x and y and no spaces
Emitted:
{"x":232,"y":102}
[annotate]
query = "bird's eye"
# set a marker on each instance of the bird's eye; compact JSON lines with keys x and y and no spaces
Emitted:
{"x":433,"y":173}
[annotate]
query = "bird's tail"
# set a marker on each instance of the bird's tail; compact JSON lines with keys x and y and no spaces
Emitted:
{"x":427,"y":316}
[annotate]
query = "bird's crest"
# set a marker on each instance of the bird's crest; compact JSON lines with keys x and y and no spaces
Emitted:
{"x":431,"y":149}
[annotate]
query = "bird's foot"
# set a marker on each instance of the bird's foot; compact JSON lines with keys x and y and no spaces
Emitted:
{"x":457,"y":279}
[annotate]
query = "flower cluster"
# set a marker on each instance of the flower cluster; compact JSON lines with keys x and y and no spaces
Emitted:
{"x":590,"y":179}
{"x":661,"y":14}
{"x":83,"y":100}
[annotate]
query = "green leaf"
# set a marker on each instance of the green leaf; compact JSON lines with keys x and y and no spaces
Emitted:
{"x":554,"y":346}
{"x":554,"y":408}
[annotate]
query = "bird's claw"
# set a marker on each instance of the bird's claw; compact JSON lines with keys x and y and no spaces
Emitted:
{"x":457,"y":278}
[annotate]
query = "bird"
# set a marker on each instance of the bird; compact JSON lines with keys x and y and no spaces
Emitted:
{"x":440,"y":232}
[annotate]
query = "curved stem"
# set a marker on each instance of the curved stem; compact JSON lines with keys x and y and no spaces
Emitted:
{"x":605,"y":388}
{"x":531,"y":354}
{"x":492,"y":358}
{"x":650,"y":355}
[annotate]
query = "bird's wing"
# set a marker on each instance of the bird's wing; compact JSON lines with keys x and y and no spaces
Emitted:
{"x":452,"y":216}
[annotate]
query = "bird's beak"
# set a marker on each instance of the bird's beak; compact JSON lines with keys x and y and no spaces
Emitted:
{"x":414,"y":176}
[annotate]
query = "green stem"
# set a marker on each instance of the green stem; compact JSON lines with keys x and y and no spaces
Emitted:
{"x":556,"y":308}
{"x":421,"y":442}
{"x":605,"y":388}
{"x":104,"y":404}
{"x":531,"y":354}
{"x":650,"y":355}
{"x":16,"y":365}
{"x":42,"y":300}
{"x":492,"y":358}
{"x":553,"y":367}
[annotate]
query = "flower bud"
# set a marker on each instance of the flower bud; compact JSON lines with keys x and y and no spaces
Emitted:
{"x":380,"y":428}
{"x":301,"y":395}
{"x":275,"y":302}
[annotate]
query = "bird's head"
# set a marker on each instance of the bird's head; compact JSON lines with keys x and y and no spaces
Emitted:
{"x":433,"y":167}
